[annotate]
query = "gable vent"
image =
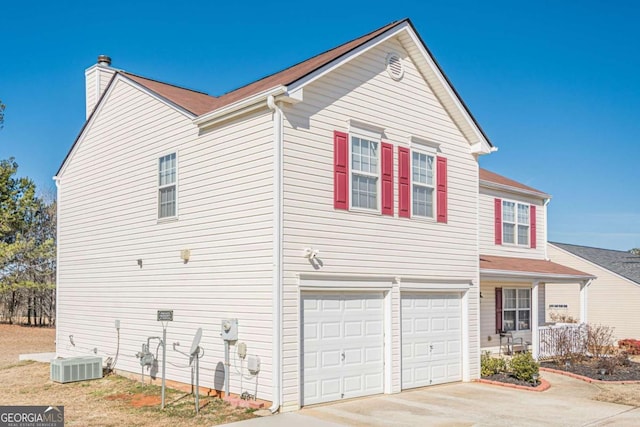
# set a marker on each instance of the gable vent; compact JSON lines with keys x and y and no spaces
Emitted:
{"x":394,"y":66}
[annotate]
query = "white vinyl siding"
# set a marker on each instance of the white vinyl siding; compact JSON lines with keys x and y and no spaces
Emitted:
{"x":226,"y":221}
{"x":355,"y":242}
{"x":422,"y":184}
{"x":365,"y":173}
{"x":167,"y":189}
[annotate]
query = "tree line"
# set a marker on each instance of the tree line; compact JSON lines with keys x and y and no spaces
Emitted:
{"x":27,"y":248}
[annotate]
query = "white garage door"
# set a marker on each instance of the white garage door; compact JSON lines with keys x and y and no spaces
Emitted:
{"x":431,"y":339}
{"x":342,"y":346}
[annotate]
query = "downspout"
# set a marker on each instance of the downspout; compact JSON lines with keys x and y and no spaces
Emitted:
{"x":276,"y":351}
{"x":546,"y":228}
{"x":58,"y":191}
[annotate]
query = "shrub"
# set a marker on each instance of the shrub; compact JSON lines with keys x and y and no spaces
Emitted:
{"x":600,"y":340}
{"x":523,"y":366}
{"x":630,"y":346}
{"x":491,"y":365}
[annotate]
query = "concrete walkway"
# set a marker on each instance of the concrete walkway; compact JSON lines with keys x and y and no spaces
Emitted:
{"x":38,"y":357}
{"x":569,"y":402}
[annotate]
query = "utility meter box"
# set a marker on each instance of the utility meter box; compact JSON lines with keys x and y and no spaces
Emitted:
{"x":229,"y":329}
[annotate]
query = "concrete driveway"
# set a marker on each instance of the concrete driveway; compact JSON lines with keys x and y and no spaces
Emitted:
{"x":568,"y":403}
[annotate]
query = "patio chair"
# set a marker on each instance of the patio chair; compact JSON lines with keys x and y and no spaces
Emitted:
{"x":511,"y":343}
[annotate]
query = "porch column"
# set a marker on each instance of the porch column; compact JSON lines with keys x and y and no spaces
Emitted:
{"x":535,"y":339}
{"x":583,"y":301}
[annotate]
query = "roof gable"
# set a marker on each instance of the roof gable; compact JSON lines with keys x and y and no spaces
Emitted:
{"x":192,"y":101}
{"x":492,"y":179}
{"x":306,"y":71}
{"x":622,"y":263}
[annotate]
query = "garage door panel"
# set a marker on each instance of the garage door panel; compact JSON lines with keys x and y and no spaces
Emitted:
{"x":431,"y":342}
{"x":342,"y":346}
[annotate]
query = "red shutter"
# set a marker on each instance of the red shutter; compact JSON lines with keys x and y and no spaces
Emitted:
{"x":387,"y":179}
{"x":498,"y":221}
{"x":404,"y":187}
{"x":340,"y":170}
{"x":532,"y":228}
{"x":498,"y":310}
{"x":441,"y":185}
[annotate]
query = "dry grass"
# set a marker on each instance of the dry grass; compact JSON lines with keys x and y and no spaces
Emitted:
{"x":624,"y":394}
{"x":110,"y":401}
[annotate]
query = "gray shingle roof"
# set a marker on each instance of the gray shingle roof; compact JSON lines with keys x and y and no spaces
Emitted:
{"x":622,"y":263}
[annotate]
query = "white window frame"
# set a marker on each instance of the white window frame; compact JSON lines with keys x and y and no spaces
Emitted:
{"x":161,"y":187}
{"x":373,"y":134}
{"x":429,"y":148}
{"x":516,"y":223}
{"x":517,"y":309}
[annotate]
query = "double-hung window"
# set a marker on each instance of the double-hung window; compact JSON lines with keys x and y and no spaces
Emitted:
{"x":422,"y":182}
{"x":365,"y":173}
{"x":516,"y":309}
{"x":515,"y":223}
{"x":167,"y":190}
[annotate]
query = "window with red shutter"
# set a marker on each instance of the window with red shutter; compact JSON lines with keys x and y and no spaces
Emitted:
{"x":387,"y":179}
{"x":498,"y":221}
{"x":404,"y":185}
{"x":441,"y":183}
{"x":532,"y":220}
{"x":340,"y":170}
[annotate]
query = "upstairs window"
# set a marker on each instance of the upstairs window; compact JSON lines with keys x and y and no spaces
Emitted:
{"x":364,"y":173}
{"x":422,"y":181}
{"x":515,"y":223}
{"x":167,"y":190}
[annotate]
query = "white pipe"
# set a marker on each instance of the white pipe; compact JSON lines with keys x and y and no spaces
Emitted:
{"x":276,"y":352}
{"x":546,"y":228}
{"x":58,"y":193}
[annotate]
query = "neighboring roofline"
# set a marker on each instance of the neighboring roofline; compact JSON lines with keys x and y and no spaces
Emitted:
{"x":633,"y":282}
{"x":512,"y":189}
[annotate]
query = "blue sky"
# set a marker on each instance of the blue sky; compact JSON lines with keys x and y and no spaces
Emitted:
{"x":555,"y":85}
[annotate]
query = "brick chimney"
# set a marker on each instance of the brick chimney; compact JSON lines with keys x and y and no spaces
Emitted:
{"x":97,"y":77}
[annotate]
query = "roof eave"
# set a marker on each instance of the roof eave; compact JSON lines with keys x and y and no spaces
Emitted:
{"x":549,"y":277}
{"x":512,"y":189}
{"x":244,"y":105}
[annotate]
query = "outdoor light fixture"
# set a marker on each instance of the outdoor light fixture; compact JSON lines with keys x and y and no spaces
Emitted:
{"x":535,"y":377}
{"x":310,"y":253}
{"x":140,"y":262}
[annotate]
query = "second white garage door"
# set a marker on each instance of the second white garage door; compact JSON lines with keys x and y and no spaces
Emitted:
{"x":342,"y":346}
{"x":431,"y":339}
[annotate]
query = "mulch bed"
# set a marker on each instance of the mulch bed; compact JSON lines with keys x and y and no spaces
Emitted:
{"x":506,"y":378}
{"x":589,"y":368}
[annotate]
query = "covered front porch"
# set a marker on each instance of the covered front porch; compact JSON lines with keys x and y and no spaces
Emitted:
{"x":512,"y":301}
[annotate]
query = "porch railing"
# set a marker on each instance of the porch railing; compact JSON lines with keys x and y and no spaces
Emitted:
{"x":561,"y":339}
